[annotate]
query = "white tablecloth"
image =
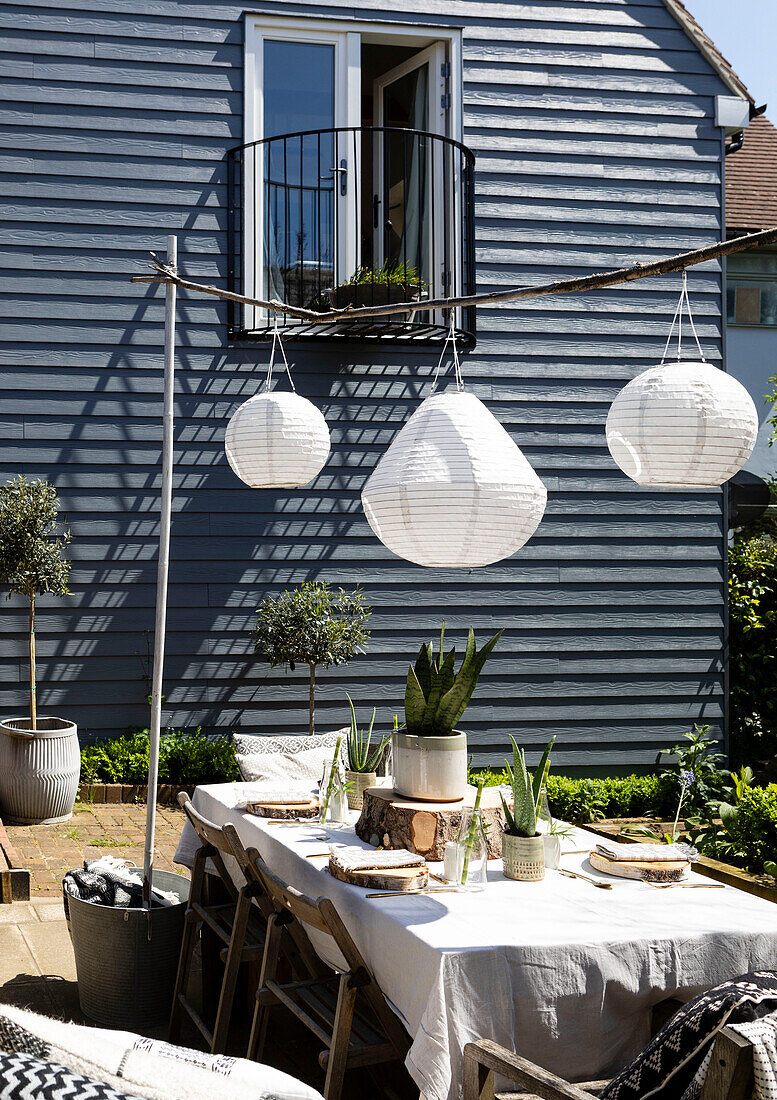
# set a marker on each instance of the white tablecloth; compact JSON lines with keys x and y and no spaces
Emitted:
{"x":558,"y":971}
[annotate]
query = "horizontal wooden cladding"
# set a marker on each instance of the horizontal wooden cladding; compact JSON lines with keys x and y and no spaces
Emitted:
{"x":592,"y":123}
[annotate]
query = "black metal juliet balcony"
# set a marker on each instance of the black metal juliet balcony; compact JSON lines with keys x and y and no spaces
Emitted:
{"x":352,"y":216}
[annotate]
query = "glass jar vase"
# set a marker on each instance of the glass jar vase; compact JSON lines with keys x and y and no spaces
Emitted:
{"x":472,"y":852}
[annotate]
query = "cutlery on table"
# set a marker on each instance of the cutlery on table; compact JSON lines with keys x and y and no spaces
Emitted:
{"x":686,"y":885}
{"x":410,"y":893}
{"x":585,"y":878}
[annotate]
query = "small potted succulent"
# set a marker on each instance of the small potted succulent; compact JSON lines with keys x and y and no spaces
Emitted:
{"x":523,"y":850}
{"x":378,"y":286}
{"x":429,"y":753}
{"x":364,"y":759}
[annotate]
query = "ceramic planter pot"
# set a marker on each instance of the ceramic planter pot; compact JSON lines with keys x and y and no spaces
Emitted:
{"x":38,"y":771}
{"x":430,"y":769}
{"x":552,"y":846}
{"x":523,"y":857}
{"x":360,"y":782}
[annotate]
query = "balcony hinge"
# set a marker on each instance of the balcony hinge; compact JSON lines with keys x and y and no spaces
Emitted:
{"x":445,"y":101}
{"x":445,"y":70}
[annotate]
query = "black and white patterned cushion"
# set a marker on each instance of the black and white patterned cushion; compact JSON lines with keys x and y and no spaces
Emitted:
{"x":667,"y":1065}
{"x":26,"y":1077}
{"x":247,"y":744}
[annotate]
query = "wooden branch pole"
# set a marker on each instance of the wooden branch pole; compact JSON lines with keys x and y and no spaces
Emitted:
{"x":163,"y":566}
{"x":163,"y":273}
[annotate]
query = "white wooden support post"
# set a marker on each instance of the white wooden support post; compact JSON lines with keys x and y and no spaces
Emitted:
{"x":163,"y":565}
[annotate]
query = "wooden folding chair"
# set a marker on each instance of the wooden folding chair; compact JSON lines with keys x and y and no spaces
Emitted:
{"x":239,"y":923}
{"x":345,"y":1009}
{"x":730,"y":1075}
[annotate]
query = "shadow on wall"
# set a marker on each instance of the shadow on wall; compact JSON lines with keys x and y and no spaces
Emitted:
{"x":230,"y":544}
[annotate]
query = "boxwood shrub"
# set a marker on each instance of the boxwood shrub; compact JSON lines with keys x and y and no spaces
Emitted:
{"x":184,"y":759}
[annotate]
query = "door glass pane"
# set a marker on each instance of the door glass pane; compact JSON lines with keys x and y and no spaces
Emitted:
{"x":299,"y":181}
{"x":406,"y":176}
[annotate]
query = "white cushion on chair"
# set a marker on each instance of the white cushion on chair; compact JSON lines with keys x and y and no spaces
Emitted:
{"x":302,"y":759}
{"x":143,"y":1067}
{"x":247,"y":744}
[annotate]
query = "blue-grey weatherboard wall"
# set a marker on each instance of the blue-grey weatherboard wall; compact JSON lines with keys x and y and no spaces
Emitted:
{"x":593,"y":126}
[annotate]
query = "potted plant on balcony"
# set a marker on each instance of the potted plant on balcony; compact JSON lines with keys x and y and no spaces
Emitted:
{"x":523,"y":849}
{"x":364,"y":759}
{"x":313,"y":625}
{"x":429,"y":753}
{"x":371,"y":286}
{"x":39,"y":756}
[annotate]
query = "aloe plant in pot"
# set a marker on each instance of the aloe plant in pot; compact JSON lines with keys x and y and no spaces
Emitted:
{"x":429,"y":753}
{"x":523,"y":851}
{"x":364,"y":758}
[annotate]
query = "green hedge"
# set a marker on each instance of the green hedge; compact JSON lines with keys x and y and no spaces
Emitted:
{"x":753,"y":828}
{"x":581,"y":801}
{"x":184,"y":759}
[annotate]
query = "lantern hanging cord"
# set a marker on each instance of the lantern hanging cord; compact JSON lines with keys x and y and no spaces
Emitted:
{"x":277,"y":341}
{"x":450,"y":338}
{"x":678,"y":320}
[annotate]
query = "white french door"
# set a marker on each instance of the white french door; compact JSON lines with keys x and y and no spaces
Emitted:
{"x":300,"y":215}
{"x":407,"y":194}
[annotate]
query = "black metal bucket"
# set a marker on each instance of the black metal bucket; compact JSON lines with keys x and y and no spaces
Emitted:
{"x":127,"y":959}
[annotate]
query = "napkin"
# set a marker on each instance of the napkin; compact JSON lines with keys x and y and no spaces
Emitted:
{"x":293,"y":795}
{"x":647,"y":853}
{"x":361,"y":859}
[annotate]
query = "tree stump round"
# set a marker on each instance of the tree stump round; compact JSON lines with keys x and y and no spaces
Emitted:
{"x":425,"y":827}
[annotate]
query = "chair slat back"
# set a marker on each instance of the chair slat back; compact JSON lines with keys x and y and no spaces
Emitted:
{"x":304,"y":908}
{"x":213,"y":841}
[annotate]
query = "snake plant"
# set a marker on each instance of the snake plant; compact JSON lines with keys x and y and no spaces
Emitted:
{"x":362,"y":756}
{"x":527,"y":789}
{"x":436,"y":695}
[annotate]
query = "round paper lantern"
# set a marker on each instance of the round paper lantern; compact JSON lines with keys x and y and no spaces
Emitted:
{"x":685,"y":425}
{"x":277,"y":441}
{"x":453,"y":490}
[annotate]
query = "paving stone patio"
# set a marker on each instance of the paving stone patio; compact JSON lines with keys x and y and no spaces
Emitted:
{"x":94,"y":830}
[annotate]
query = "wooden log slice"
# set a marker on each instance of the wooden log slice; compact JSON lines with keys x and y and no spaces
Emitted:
{"x":282,"y":811}
{"x":388,"y":878}
{"x":425,"y":827}
{"x":670,"y":870}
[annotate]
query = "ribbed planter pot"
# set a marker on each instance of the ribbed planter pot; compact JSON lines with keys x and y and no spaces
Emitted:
{"x":359,"y":781}
{"x":431,"y":769}
{"x":523,"y":857}
{"x":38,"y":771}
{"x":127,"y":959}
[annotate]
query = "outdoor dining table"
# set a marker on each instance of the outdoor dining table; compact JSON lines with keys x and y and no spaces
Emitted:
{"x":558,"y":970}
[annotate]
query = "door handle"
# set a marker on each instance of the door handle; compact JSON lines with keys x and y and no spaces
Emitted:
{"x":375,"y":205}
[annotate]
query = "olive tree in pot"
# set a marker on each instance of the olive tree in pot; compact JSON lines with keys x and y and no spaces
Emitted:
{"x":523,"y":850}
{"x":39,"y":756}
{"x":313,"y":625}
{"x":430,"y":754}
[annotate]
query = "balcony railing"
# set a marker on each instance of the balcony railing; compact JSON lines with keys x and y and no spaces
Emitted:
{"x":352,"y":216}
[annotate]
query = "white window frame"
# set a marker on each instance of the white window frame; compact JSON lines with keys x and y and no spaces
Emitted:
{"x":347,"y":37}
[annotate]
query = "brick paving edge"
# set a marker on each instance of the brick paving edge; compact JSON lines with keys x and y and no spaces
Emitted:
{"x":117,"y":793}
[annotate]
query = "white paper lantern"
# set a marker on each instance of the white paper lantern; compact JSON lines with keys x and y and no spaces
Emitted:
{"x":685,"y":425}
{"x":277,"y":440}
{"x":453,"y":490}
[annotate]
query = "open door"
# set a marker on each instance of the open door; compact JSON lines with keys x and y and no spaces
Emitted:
{"x":407,"y":199}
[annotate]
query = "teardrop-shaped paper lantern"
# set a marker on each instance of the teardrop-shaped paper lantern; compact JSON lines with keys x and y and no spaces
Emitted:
{"x":685,"y":425}
{"x":453,"y":490}
{"x":277,"y":440}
